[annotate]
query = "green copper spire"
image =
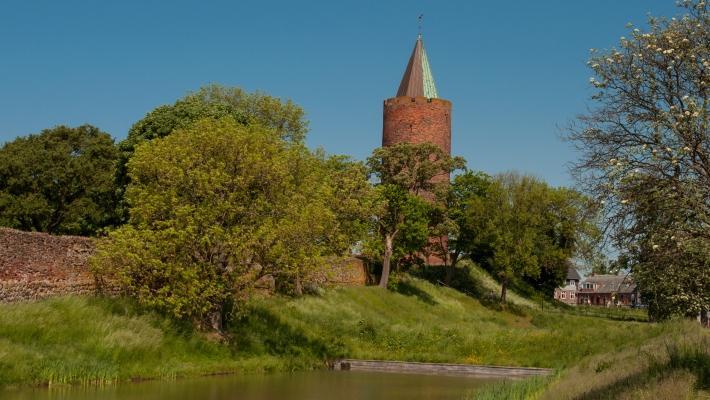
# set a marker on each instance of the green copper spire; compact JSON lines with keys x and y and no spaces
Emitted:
{"x":418,"y":79}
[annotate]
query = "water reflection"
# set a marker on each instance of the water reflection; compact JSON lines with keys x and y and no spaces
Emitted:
{"x":323,"y":385}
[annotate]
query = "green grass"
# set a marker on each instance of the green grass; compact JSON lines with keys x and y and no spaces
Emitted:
{"x":95,"y":341}
{"x":91,"y":340}
{"x":675,"y":365}
{"x":425,"y":322}
{"x":513,"y":390}
{"x":615,"y":313}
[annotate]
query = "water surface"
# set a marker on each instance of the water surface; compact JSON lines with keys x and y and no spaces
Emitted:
{"x":320,"y":385}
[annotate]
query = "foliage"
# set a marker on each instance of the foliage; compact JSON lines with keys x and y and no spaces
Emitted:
{"x":405,"y":173}
{"x":59,"y":181}
{"x":352,"y":194}
{"x":449,"y":218}
{"x":523,"y":229}
{"x":220,"y":205}
{"x":215,"y":102}
{"x":646,"y":156}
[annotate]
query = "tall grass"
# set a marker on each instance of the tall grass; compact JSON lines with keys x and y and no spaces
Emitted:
{"x":692,"y":356}
{"x":619,"y":314}
{"x":674,"y":365}
{"x":95,"y":341}
{"x":82,"y":340}
{"x":421,"y":321}
{"x":513,"y":390}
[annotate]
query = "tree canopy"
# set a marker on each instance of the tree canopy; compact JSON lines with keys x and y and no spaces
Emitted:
{"x":406,"y":174}
{"x":59,"y":181}
{"x":219,"y":205}
{"x":285,"y":118}
{"x":451,"y":230}
{"x":645,"y":149}
{"x":215,"y":101}
{"x":520,"y":229}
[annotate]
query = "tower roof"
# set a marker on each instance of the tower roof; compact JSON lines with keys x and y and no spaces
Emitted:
{"x":417,"y":79}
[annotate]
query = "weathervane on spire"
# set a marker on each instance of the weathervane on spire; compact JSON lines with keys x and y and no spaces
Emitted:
{"x":420,"y":19}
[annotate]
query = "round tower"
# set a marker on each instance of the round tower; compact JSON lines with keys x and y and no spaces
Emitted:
{"x":417,"y":120}
{"x":417,"y":114}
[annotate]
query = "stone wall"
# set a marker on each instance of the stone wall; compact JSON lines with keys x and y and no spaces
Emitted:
{"x":351,"y":271}
{"x":37,"y":265}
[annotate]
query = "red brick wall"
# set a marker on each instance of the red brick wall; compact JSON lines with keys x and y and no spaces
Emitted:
{"x":37,"y":265}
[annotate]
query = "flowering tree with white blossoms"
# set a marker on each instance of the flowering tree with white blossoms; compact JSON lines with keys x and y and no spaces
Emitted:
{"x":645,"y":156}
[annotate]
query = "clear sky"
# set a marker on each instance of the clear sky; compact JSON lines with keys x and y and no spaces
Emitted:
{"x":514,"y":70}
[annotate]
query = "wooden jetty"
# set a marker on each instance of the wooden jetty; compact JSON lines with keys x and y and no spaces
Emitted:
{"x":474,"y":371}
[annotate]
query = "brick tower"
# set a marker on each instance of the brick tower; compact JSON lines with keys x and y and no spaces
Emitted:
{"x":417,"y":114}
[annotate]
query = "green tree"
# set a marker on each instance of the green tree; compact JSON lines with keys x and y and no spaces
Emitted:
{"x":406,"y":174}
{"x":214,"y":101}
{"x":219,"y":205}
{"x":449,"y":228}
{"x":523,"y":230}
{"x":645,"y":155}
{"x":59,"y":181}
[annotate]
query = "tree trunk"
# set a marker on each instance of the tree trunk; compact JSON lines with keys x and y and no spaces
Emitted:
{"x":216,"y":318}
{"x":450,"y":262}
{"x":503,"y":289}
{"x":298,"y":286}
{"x":386,"y":258}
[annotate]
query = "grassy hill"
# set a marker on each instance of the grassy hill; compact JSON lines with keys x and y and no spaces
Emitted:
{"x":424,"y":322}
{"x":84,"y":340}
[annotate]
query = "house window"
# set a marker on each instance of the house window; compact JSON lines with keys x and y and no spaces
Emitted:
{"x":564,"y":295}
{"x":571,"y":295}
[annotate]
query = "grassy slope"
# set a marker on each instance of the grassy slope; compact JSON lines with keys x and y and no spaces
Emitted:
{"x":674,"y":365}
{"x":89,"y":340}
{"x":85,"y":340}
{"x":430,"y":323}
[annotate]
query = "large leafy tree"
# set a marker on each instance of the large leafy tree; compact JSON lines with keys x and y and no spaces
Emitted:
{"x":407,"y":175}
{"x":285,"y":118}
{"x":645,"y":150}
{"x":59,"y":181}
{"x":451,"y":232}
{"x":219,"y":205}
{"x":522,"y":230}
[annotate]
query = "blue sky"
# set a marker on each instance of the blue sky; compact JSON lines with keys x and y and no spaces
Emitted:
{"x":514,"y":70}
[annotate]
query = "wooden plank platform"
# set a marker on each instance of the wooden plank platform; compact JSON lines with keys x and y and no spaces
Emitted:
{"x":475,"y":371}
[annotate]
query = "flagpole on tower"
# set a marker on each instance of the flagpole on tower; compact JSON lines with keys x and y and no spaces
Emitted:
{"x":420,"y":19}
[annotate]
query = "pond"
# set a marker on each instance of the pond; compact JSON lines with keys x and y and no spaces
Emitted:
{"x":321,"y":385}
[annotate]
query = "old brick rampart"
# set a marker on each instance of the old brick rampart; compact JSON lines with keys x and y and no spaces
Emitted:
{"x":37,"y":265}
